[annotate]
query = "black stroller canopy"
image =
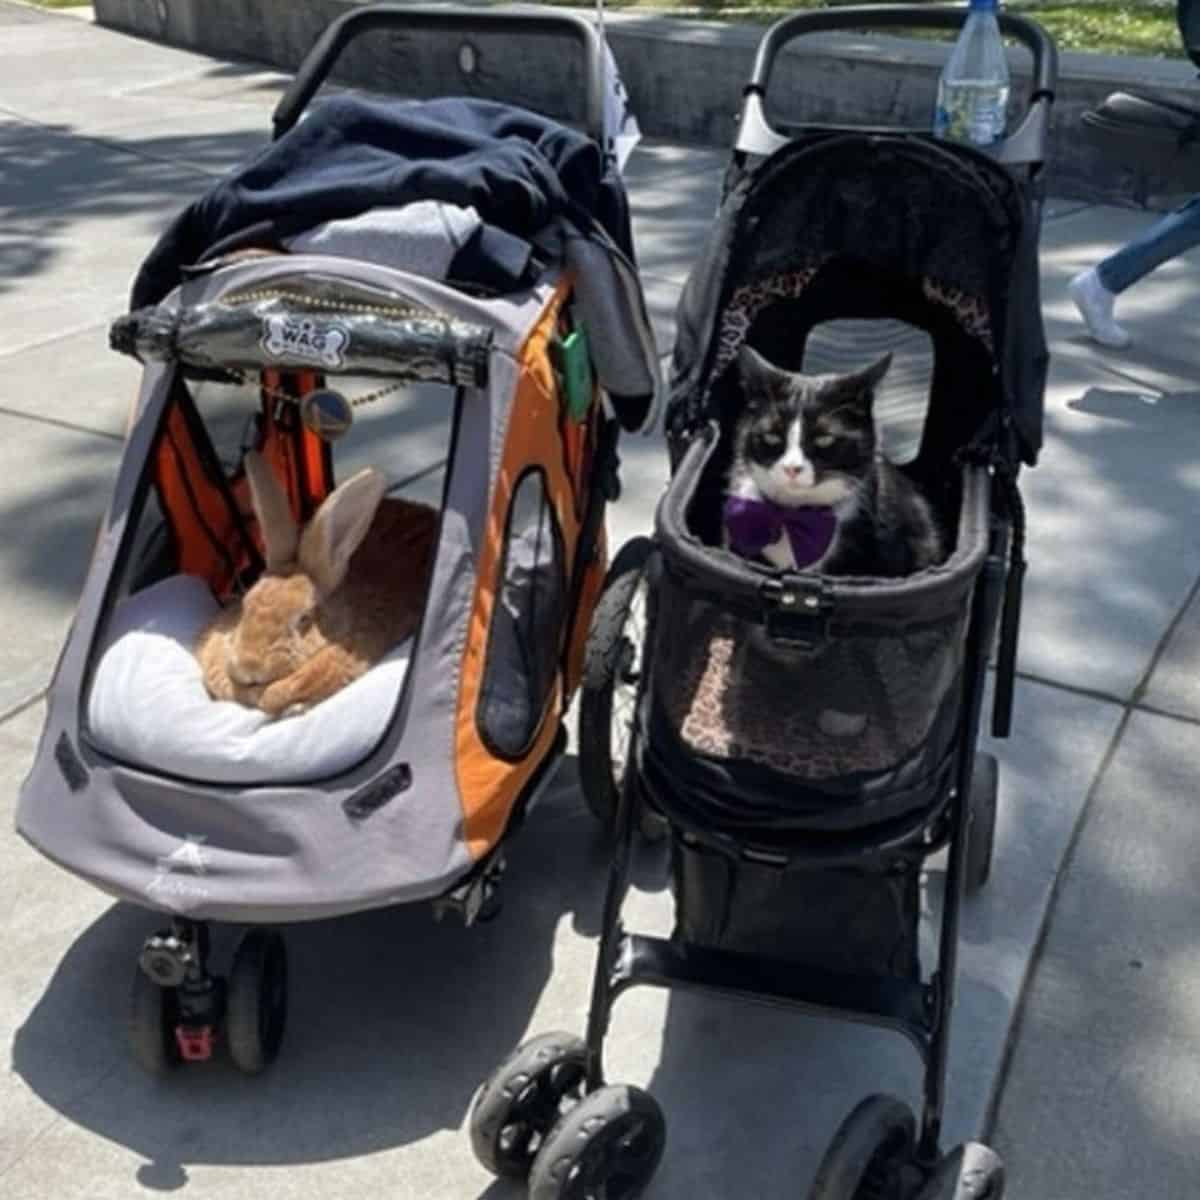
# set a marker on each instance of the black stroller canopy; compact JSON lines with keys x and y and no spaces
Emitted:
{"x":857,"y":224}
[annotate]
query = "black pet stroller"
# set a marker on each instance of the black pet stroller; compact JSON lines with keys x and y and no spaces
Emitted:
{"x":796,"y":856}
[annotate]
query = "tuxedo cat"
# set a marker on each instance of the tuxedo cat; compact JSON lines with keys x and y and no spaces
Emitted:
{"x":809,"y":490}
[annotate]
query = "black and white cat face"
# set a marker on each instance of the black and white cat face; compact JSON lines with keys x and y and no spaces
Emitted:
{"x":806,"y":439}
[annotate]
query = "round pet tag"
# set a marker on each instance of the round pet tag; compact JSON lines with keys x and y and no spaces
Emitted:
{"x":327,"y":413}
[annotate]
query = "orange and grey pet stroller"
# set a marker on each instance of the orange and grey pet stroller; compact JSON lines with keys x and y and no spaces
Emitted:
{"x":443,"y":289}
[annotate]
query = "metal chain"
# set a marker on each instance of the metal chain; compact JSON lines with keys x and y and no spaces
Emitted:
{"x":239,"y":376}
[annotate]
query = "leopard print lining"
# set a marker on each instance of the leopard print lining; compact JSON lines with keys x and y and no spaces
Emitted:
{"x":970,"y":311}
{"x":751,"y":298}
{"x":746,"y":303}
{"x":737,"y":699}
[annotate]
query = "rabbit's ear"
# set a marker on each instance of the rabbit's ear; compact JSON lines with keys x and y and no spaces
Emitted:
{"x":338,"y":528}
{"x":280,"y":534}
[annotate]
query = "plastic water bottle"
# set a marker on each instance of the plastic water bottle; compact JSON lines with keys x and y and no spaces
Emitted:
{"x":973,"y":90}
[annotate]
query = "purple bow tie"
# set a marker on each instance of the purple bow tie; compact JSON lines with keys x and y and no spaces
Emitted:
{"x":755,"y":524}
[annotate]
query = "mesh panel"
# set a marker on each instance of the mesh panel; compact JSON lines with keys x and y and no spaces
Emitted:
{"x":526,"y":622}
{"x":855,"y":703}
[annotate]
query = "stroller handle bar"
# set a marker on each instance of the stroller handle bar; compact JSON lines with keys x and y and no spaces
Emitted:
{"x":1025,"y":145}
{"x":318,"y":63}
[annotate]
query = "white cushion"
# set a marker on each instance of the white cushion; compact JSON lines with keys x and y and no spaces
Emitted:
{"x":148,"y":705}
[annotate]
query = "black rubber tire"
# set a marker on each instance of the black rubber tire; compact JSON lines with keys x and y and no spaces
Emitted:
{"x":971,"y":1171}
{"x":981,"y":817}
{"x":613,"y":1137}
{"x":607,"y":652}
{"x":522,"y":1100}
{"x":871,"y":1146}
{"x":256,"y":1001}
{"x":153,"y":1015}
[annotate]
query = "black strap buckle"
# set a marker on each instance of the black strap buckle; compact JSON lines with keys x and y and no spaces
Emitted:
{"x":797,"y":610}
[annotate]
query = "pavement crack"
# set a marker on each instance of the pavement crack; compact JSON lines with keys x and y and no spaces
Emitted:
{"x":1073,"y":689}
{"x":23,"y":705}
{"x":59,"y":1117}
{"x":58,"y":423}
{"x":109,"y":142}
{"x":1133,"y":704}
{"x":1016,"y":1025}
{"x":50,"y":339}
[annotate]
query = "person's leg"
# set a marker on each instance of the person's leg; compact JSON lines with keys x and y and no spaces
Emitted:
{"x":1095,"y":290}
{"x":1167,"y":238}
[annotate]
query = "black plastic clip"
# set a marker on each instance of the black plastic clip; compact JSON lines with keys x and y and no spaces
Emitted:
{"x":796,"y":610}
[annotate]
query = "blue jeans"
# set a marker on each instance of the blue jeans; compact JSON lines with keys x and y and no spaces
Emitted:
{"x":1168,"y":237}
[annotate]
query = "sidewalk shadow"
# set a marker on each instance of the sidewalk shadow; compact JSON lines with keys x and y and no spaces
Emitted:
{"x":753,"y":1091}
{"x":754,"y":1094}
{"x":393,"y":1021}
{"x":1147,"y":408}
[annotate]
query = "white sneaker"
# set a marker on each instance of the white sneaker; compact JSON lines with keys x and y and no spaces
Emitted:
{"x":1095,"y":304}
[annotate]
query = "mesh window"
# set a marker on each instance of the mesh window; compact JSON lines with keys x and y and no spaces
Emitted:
{"x":854,"y":703}
{"x":523,"y":645}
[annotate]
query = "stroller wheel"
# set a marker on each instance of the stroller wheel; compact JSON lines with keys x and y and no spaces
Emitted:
{"x":969,"y":1172}
{"x":153,"y":1015}
{"x":611,"y":681}
{"x":256,"y":1001}
{"x":870,"y":1154}
{"x":523,"y":1098}
{"x":609,"y":1145}
{"x":981,"y":815}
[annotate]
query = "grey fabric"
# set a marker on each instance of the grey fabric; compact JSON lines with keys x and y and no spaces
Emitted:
{"x":422,"y":237}
{"x":275,"y":853}
{"x":610,"y":302}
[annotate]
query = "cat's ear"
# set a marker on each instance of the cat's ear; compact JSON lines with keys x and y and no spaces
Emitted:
{"x":759,"y":377}
{"x":858,"y":388}
{"x":867,"y":380}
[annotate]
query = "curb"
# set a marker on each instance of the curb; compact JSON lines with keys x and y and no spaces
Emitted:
{"x":685,"y":77}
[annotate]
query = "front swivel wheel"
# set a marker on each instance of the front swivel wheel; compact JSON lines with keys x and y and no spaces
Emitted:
{"x":972,"y":1171}
{"x":523,"y":1099}
{"x":153,"y":1017}
{"x":605,"y":1148}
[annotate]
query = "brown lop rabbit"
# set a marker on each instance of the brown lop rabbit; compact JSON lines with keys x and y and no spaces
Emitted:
{"x":333,"y":600}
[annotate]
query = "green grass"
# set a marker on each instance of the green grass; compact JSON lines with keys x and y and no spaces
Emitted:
{"x":1109,"y":28}
{"x":1101,"y":26}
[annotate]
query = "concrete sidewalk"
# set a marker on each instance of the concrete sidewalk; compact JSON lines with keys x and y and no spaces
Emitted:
{"x":394,"y":1020}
